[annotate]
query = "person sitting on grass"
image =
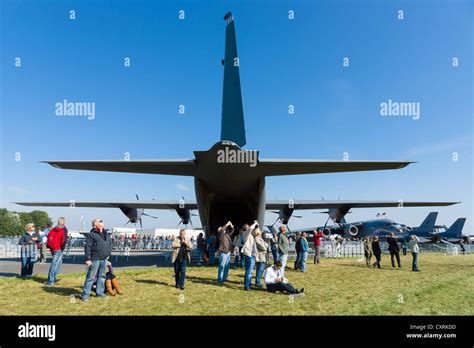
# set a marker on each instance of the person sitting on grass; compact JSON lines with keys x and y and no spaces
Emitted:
{"x":112,"y":285}
{"x":275,"y":281}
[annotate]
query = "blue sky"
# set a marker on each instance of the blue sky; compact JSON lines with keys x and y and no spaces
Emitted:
{"x":299,"y":62}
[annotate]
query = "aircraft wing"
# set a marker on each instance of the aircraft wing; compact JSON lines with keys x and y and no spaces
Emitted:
{"x":341,"y":204}
{"x":272,"y":167}
{"x":162,"y":205}
{"x":444,"y":241}
{"x":170,"y":167}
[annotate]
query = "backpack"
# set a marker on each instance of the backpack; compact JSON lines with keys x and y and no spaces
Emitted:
{"x":53,"y":239}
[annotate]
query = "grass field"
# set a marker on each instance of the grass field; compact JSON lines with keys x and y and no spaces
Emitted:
{"x":445,"y":285}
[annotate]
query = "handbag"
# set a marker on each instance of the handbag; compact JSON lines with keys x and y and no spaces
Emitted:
{"x":34,"y":255}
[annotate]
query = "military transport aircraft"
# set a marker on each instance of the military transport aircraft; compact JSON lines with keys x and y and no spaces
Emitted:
{"x":229,"y":181}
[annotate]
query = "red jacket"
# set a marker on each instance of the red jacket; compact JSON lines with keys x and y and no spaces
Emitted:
{"x":317,"y":238}
{"x":56,"y":239}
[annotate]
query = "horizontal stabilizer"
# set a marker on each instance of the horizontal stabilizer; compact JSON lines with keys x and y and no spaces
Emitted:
{"x":269,"y":167}
{"x":170,"y":167}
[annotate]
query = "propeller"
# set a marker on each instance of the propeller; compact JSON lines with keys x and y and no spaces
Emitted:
{"x":183,"y":212}
{"x":138,"y":215}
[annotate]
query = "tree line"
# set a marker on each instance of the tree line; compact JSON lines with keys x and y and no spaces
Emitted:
{"x":13,"y":223}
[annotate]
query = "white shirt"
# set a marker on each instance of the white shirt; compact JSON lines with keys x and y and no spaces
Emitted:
{"x":254,"y":249}
{"x":44,"y":237}
{"x":413,"y":245}
{"x":271,"y":274}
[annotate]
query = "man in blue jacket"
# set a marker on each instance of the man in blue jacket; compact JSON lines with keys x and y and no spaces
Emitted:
{"x":303,"y":251}
{"x":98,"y":249}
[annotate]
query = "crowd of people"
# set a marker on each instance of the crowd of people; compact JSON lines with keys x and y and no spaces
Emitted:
{"x":135,"y":241}
{"x":266,"y":253}
{"x":251,"y":252}
{"x":372,"y":248}
{"x":34,"y":244}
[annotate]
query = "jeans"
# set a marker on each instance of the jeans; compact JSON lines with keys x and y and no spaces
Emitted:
{"x":249,"y":263}
{"x":224,"y":265}
{"x":55,"y":264}
{"x":260,"y":269}
{"x":100,"y":267}
{"x":275,"y":254}
{"x":316,"y":254}
{"x":414,"y":266}
{"x":303,"y":258}
{"x":200,"y":252}
{"x":180,"y":273}
{"x":28,"y":259}
{"x":396,"y":255}
{"x":281,"y":287}
{"x":298,"y":260}
{"x":212,"y":255}
{"x":237,"y":260}
{"x":26,"y":265}
{"x":283,"y":258}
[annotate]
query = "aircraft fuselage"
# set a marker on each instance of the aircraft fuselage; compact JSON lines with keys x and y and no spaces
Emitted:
{"x":227,"y":187}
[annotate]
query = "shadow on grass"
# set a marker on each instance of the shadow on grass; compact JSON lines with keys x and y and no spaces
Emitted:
{"x":6,"y":274}
{"x":211,"y":281}
{"x":63,"y":291}
{"x":383,"y":268}
{"x":153,"y":282}
{"x":38,"y":279}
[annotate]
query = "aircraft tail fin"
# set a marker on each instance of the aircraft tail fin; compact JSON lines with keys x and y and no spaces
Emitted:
{"x":232,"y":123}
{"x":455,"y":229}
{"x":427,"y":226}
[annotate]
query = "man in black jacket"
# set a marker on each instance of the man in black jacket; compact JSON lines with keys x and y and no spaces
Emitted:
{"x":394,"y":249}
{"x":98,"y":249}
{"x":376,"y":251}
{"x":297,"y":250}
